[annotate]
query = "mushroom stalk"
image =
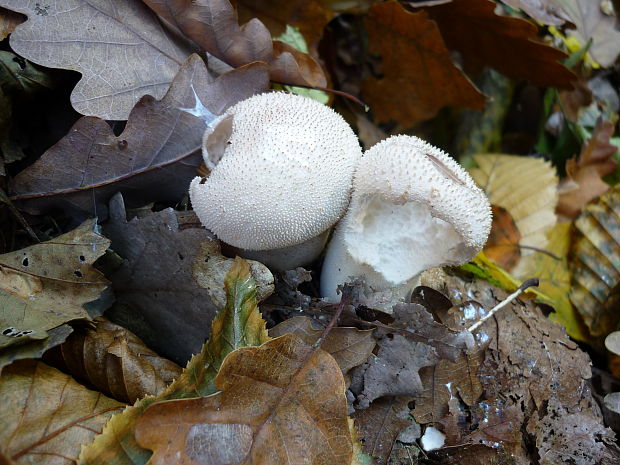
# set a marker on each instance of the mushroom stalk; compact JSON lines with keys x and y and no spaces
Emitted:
{"x":412,"y":208}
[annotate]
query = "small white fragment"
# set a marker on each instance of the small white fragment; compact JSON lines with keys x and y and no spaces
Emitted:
{"x":432,"y":439}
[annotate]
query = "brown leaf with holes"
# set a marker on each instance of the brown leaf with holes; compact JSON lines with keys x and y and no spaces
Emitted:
{"x":502,"y":246}
{"x":350,"y":347}
{"x":584,"y":173}
{"x":115,"y":361}
{"x":280,"y":403}
{"x":419,"y":77}
{"x":46,"y":417}
{"x":379,"y":425}
{"x":508,"y":44}
{"x":213,"y":25}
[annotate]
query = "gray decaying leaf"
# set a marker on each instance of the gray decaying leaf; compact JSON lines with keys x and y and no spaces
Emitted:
{"x":157,"y":296}
{"x":393,"y":371}
{"x":380,"y":424}
{"x":119,"y":46}
{"x":155,"y":157}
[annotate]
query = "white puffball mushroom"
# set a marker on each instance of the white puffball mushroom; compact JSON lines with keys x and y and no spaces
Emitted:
{"x":412,"y":208}
{"x":432,"y":439}
{"x":283,"y":177}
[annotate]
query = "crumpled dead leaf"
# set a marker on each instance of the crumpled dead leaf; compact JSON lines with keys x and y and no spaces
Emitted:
{"x":584,"y":173}
{"x":154,"y":158}
{"x":296,"y":412}
{"x":120,"y":48}
{"x":213,"y":25}
{"x":48,"y":284}
{"x":239,"y":324}
{"x":419,"y":77}
{"x":45,"y":416}
{"x":594,"y":262}
{"x":508,"y":44}
{"x":350,"y":347}
{"x":115,"y":361}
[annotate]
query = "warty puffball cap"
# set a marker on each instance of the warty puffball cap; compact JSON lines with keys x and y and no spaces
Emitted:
{"x":285,"y":175}
{"x":407,"y":169}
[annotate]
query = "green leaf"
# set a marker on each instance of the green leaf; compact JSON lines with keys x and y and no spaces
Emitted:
{"x":238,"y":325}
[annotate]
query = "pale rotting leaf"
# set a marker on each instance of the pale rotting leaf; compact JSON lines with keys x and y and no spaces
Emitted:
{"x":115,"y":361}
{"x":213,"y":25}
{"x":297,"y":412}
{"x":119,"y":46}
{"x":527,"y":188}
{"x":238,"y":325}
{"x":153,"y":159}
{"x":45,"y":416}
{"x":543,"y":11}
{"x":48,"y":284}
{"x":350,"y":347}
{"x":419,"y":77}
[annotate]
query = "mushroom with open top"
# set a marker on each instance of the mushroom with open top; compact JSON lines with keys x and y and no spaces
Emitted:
{"x":412,"y":208}
{"x":280,"y":181}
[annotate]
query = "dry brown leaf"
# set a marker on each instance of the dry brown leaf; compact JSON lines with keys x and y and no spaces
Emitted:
{"x":46,"y":417}
{"x":379,"y":426}
{"x":120,"y":48}
{"x":508,"y":44}
{"x":527,"y":188}
{"x":419,"y":77}
{"x":281,"y":403}
{"x":584,"y":173}
{"x":153,"y":159}
{"x":9,"y":20}
{"x":350,"y":347}
{"x":213,"y":25}
{"x":310,"y":16}
{"x":502,"y":246}
{"x":595,"y":264}
{"x":115,"y":361}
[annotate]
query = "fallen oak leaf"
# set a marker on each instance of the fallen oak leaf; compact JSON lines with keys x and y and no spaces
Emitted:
{"x":154,"y":158}
{"x":214,"y":26}
{"x":120,"y":48}
{"x":239,"y":324}
{"x":9,"y":20}
{"x":584,"y":173}
{"x":282,"y":402}
{"x":419,"y":76}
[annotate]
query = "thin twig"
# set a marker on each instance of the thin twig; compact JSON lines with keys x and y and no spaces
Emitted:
{"x":526,"y":284}
{"x":344,"y":301}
